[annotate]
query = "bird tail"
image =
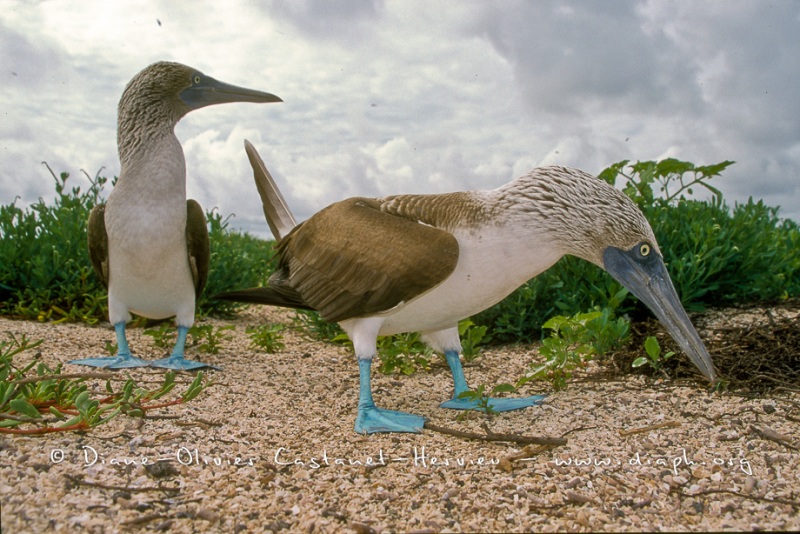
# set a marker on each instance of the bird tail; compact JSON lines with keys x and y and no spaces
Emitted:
{"x":280,"y":219}
{"x":265,"y":295}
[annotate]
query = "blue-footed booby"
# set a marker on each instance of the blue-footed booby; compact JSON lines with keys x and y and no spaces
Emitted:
{"x":421,"y":263}
{"x":148,"y":244}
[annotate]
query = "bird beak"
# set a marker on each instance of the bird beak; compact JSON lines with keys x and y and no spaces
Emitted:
{"x":210,"y":91}
{"x":649,"y":281}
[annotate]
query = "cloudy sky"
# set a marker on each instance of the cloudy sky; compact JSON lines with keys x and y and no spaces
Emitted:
{"x":401,"y":96}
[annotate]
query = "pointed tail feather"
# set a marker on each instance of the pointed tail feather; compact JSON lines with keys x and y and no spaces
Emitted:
{"x":280,"y":219}
{"x":264,"y":295}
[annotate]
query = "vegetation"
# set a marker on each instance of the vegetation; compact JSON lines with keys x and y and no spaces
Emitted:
{"x":45,"y":272}
{"x":654,"y":358}
{"x":35,"y":399}
{"x":573,"y":342}
{"x":267,"y":337}
{"x":482,"y":398}
{"x":44,"y":266}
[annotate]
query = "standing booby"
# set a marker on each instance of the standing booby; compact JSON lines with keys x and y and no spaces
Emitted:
{"x":408,"y":263}
{"x":148,"y":244}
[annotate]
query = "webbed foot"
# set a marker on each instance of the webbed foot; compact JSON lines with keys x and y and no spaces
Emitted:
{"x":113,"y":362}
{"x":372,"y":419}
{"x":176,"y":361}
{"x":498,"y":405}
{"x":179,"y":363}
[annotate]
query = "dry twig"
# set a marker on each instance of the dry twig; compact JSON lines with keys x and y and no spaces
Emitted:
{"x":492,"y":436}
{"x":80,"y":482}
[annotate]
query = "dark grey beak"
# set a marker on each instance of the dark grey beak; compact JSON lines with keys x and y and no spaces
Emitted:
{"x":646,"y":277}
{"x":206,"y":91}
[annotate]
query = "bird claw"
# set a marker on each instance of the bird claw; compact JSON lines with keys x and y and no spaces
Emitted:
{"x":372,"y":419}
{"x":179,"y":363}
{"x":113,"y":362}
{"x":498,"y":405}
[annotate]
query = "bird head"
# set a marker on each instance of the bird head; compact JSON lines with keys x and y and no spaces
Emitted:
{"x":161,"y":94}
{"x":590,"y":219}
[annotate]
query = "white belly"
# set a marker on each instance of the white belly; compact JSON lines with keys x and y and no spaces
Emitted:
{"x":153,"y":283}
{"x":490,"y":266}
{"x":149,"y":272}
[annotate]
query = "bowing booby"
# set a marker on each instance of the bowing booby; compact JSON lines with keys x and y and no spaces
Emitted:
{"x":421,"y":263}
{"x":148,"y":244}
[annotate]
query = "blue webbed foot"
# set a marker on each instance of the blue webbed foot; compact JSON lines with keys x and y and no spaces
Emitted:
{"x":372,"y":419}
{"x":113,"y":362}
{"x":123,"y":359}
{"x":498,"y":405}
{"x":179,"y":363}
{"x":176,"y":360}
{"x":460,"y":386}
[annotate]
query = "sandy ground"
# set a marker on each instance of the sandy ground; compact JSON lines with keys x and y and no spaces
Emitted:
{"x":271,"y":446}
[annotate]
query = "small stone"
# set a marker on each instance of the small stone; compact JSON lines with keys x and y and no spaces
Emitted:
{"x":577,"y":497}
{"x":161,"y":469}
{"x":700,"y":472}
{"x":362,"y":528}
{"x":449,"y":494}
{"x":208,"y":515}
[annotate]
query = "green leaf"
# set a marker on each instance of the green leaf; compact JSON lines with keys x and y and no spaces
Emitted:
{"x":652,"y":348}
{"x":74,"y":421}
{"x":7,"y":423}
{"x":23,"y":407}
{"x":83,"y":402}
{"x":638,"y":362}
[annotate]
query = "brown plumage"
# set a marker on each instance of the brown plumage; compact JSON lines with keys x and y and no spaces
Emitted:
{"x":421,"y":263}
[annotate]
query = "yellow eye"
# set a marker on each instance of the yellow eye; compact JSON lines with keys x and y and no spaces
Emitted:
{"x":197,"y":79}
{"x":644,"y":249}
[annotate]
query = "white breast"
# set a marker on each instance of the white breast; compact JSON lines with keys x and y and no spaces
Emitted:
{"x":493,"y":261}
{"x":149,"y":271}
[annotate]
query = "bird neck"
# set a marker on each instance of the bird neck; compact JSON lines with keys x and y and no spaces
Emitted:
{"x":155,"y":172}
{"x":143,"y":123}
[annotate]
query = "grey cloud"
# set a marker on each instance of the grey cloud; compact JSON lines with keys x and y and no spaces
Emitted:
{"x":325,"y":19}
{"x":571,"y":58}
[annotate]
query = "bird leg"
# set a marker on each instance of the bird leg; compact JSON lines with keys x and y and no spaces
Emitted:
{"x":176,"y":360}
{"x":123,"y":359}
{"x":372,"y":419}
{"x":460,"y":383}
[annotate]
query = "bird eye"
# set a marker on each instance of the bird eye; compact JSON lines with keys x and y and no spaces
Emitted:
{"x":197,"y":79}
{"x":644,"y":249}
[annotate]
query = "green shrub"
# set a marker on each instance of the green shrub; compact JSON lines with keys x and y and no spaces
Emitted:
{"x":46,"y":274}
{"x":44,"y":264}
{"x":719,"y":257}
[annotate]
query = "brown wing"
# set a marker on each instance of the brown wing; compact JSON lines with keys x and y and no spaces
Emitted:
{"x":280,"y":219}
{"x":353,"y":260}
{"x":197,"y":244}
{"x":97,"y":239}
